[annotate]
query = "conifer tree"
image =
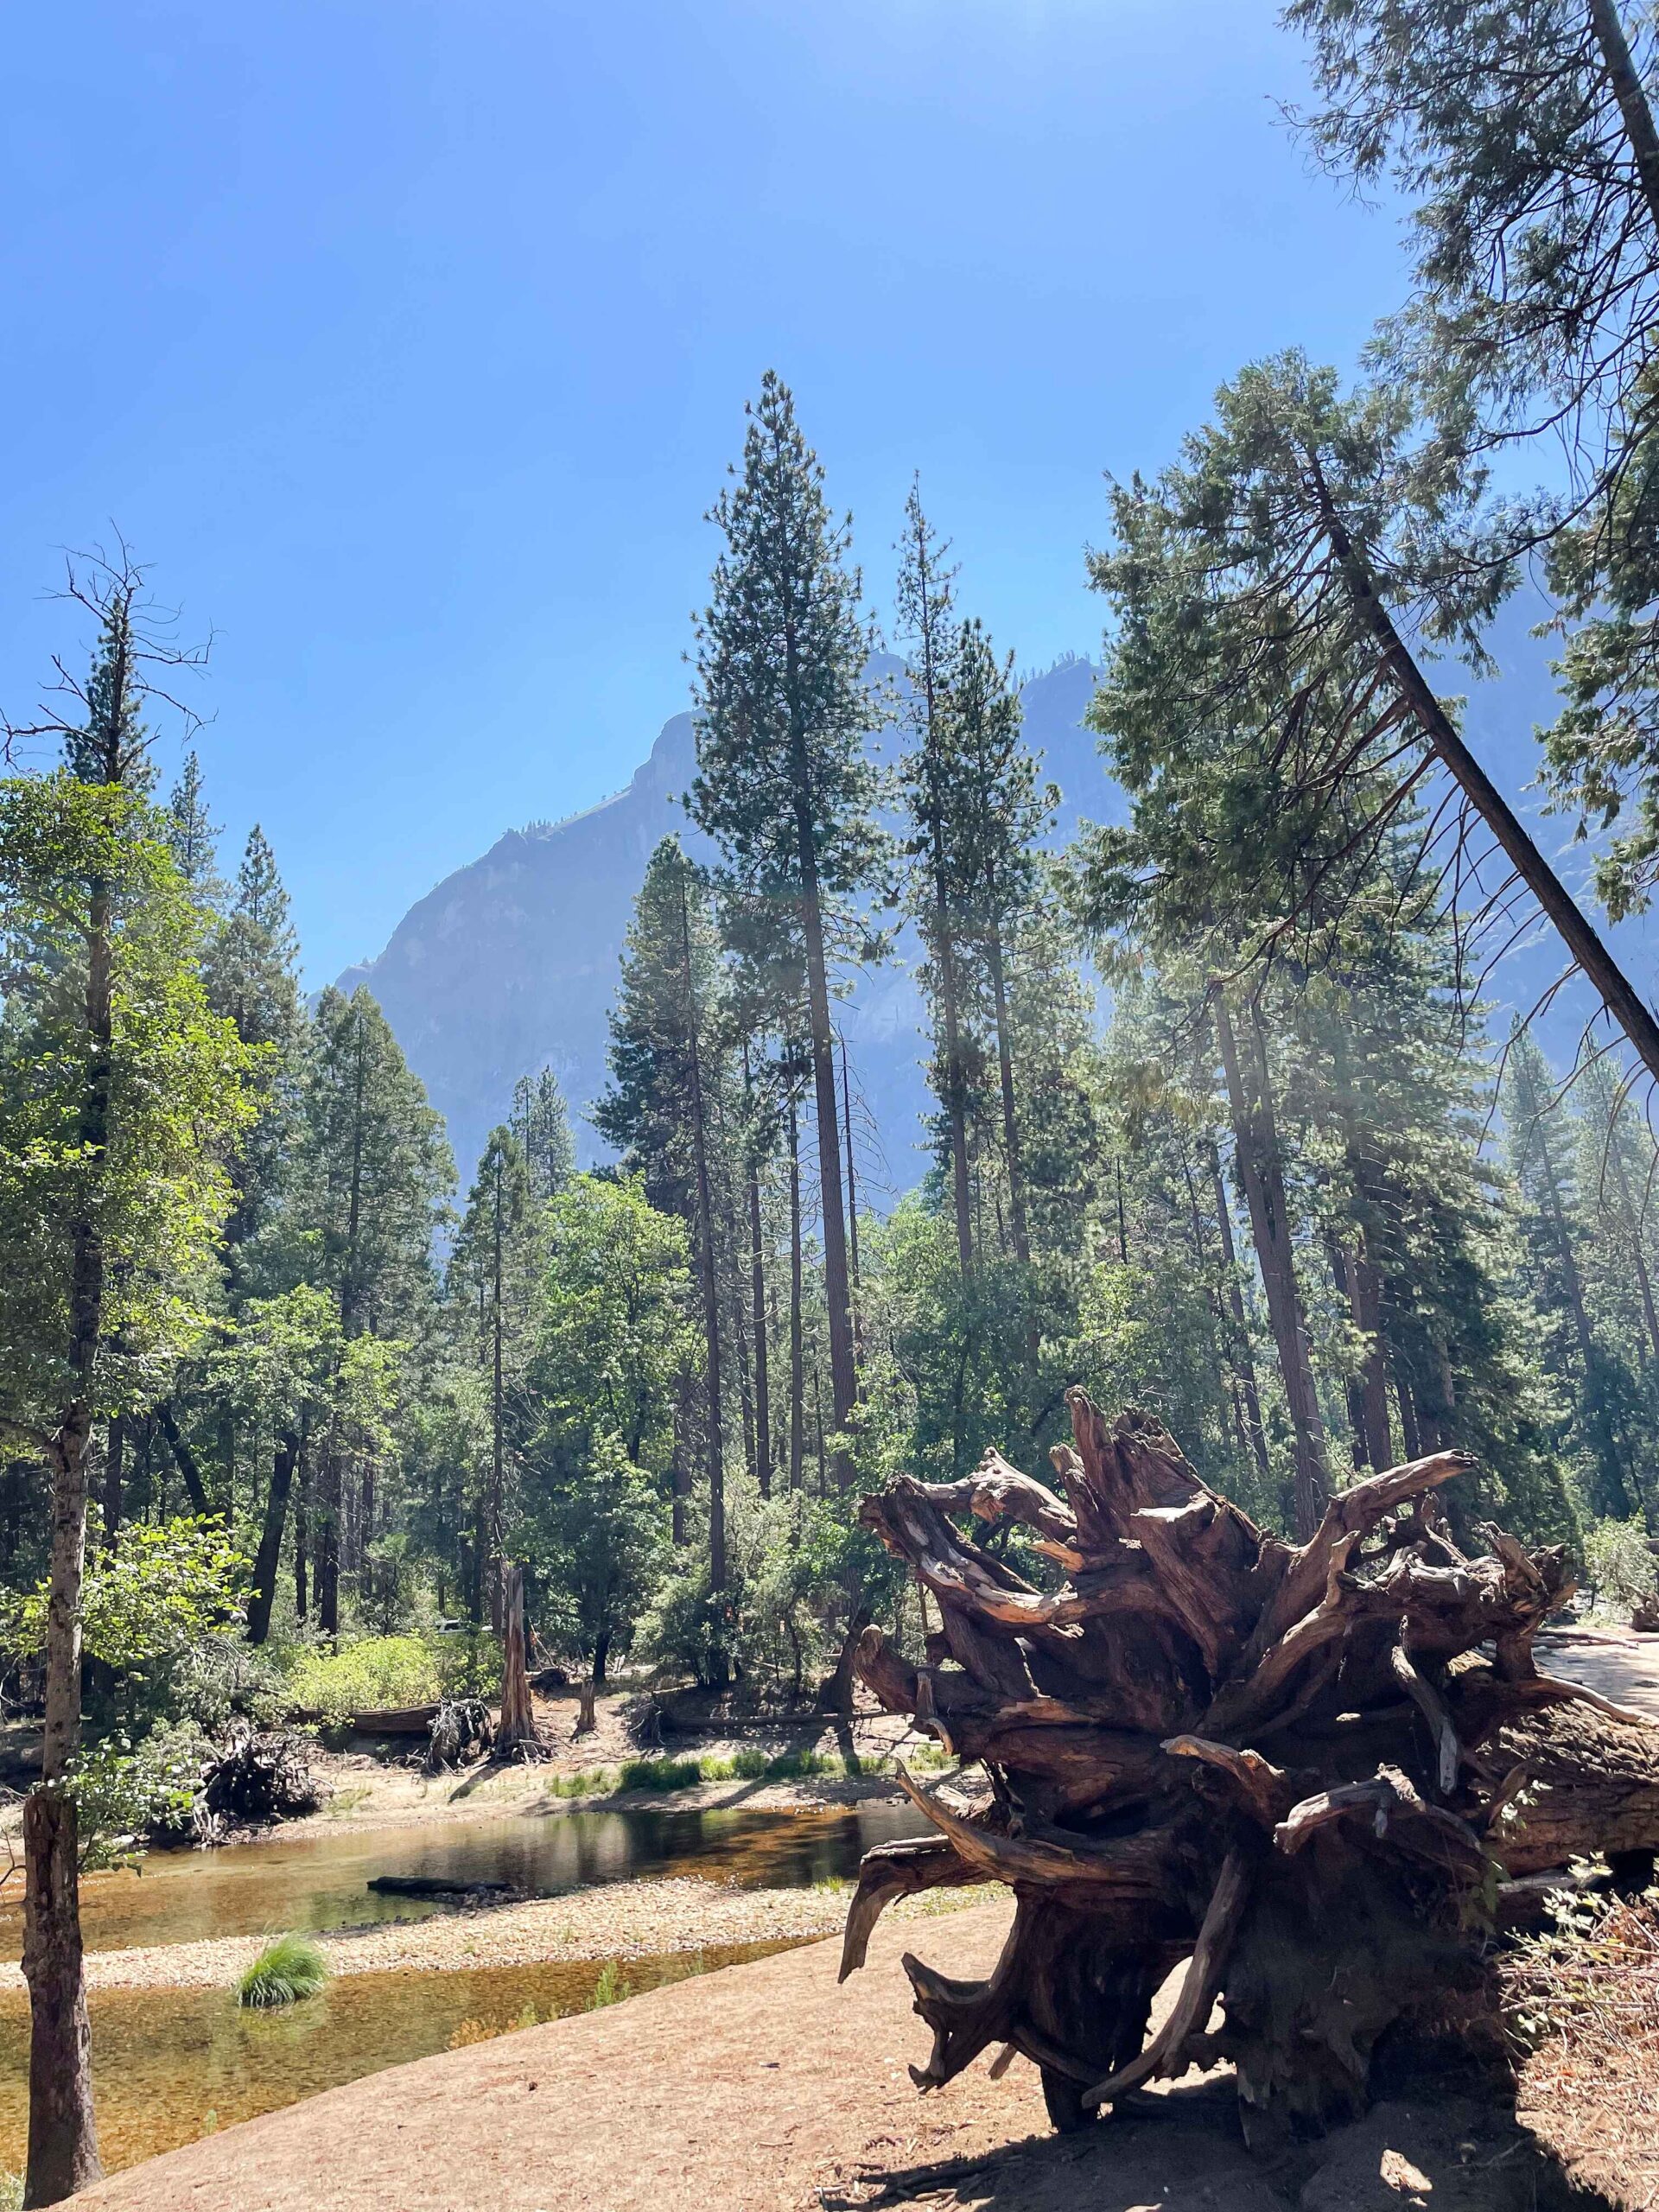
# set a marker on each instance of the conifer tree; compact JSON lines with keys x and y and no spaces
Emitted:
{"x":541,"y":1120}
{"x":1007,"y":812}
{"x":1541,"y":1155}
{"x":252,"y":973}
{"x":375,"y":1169}
{"x":194,"y":835}
{"x":783,"y":785}
{"x":493,"y":1275}
{"x":940,"y":847}
{"x":669,"y":1063}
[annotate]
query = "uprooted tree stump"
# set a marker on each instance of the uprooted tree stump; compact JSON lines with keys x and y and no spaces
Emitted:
{"x":1323,"y":1775}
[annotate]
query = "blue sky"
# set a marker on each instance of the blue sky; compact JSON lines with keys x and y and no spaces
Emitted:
{"x":409,"y":341}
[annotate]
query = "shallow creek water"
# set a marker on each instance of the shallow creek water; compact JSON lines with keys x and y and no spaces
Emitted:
{"x":169,"y":2064}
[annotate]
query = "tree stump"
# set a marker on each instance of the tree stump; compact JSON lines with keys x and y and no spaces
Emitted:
{"x":1322,"y":1775}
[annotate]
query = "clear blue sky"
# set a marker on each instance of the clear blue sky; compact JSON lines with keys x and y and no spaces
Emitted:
{"x":409,"y":341}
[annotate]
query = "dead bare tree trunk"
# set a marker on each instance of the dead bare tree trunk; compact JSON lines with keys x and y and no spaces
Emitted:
{"x":1296,"y":1767}
{"x":517,"y":1735}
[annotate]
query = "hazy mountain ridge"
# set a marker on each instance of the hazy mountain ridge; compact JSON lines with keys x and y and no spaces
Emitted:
{"x":510,"y":965}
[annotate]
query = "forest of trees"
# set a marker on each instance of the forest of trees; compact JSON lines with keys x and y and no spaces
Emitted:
{"x":1224,"y":1124}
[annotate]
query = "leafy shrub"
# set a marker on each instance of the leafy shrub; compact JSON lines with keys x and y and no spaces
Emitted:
{"x":377,"y":1673}
{"x":468,"y":1663}
{"x":212,"y":1680}
{"x":1621,"y":1571}
{"x":288,"y":1968}
{"x":124,"y":1793}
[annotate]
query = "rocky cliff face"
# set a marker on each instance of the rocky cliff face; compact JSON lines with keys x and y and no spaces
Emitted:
{"x":510,"y":965}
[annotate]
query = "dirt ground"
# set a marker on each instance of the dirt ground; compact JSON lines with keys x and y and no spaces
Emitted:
{"x":766,"y":2089}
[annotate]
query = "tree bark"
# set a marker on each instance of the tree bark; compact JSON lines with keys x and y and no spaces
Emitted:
{"x":837,"y":1289}
{"x":268,"y":1556}
{"x":1011,"y":1150}
{"x":758,"y":1308}
{"x":517,"y":1734}
{"x":301,"y":1535}
{"x":1605,"y":977}
{"x":852,"y":1193}
{"x":797,"y":1354}
{"x":706,"y":1273}
{"x":1366,"y":1284}
{"x":325,"y":1543}
{"x":1633,"y":108}
{"x":1243,"y":1359}
{"x":184,"y":1458}
{"x":62,"y":2137}
{"x":62,"y":2130}
{"x":1256,"y":1139}
{"x":115,"y":1461}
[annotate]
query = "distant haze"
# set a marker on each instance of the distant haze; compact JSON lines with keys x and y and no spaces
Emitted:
{"x":511,"y":963}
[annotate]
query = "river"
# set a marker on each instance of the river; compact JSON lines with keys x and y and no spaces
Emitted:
{"x":170,"y":2063}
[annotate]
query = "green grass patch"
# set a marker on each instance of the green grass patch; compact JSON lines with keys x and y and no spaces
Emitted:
{"x":591,"y":1781}
{"x":288,"y":1968}
{"x":658,"y":1774}
{"x":671,"y":1774}
{"x":610,"y":1988}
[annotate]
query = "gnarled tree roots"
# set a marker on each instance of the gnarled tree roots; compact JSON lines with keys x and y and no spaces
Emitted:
{"x":1323,"y":1775}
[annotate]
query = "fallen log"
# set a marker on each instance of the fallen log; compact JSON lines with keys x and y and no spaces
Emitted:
{"x":396,"y":1720}
{"x":435,"y":1885}
{"x":1326,"y":1776}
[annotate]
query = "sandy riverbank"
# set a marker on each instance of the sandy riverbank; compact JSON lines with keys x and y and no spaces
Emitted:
{"x":617,"y":1920}
{"x":768,"y":2088}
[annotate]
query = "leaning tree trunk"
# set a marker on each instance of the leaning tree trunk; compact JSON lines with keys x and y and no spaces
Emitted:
{"x":1297,"y":1769}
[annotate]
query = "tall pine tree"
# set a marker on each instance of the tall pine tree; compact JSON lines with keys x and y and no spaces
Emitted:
{"x":784,"y":785}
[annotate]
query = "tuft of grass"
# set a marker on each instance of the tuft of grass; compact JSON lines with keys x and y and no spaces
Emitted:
{"x":591,"y":1781}
{"x":11,"y":2191}
{"x":609,"y":1989}
{"x":747,"y":1765}
{"x":658,"y":1774}
{"x":288,"y":1968}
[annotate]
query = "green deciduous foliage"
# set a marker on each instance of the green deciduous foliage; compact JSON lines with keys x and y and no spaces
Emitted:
{"x":176,"y":1077}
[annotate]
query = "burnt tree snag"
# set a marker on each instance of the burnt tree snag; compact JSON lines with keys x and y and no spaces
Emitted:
{"x":1320,"y":1774}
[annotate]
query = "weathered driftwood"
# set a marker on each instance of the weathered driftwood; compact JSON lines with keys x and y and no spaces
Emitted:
{"x":1321,"y":1775}
{"x":460,"y":1727}
{"x":252,"y":1777}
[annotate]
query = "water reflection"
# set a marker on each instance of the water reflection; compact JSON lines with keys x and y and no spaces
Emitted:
{"x":320,"y":1881}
